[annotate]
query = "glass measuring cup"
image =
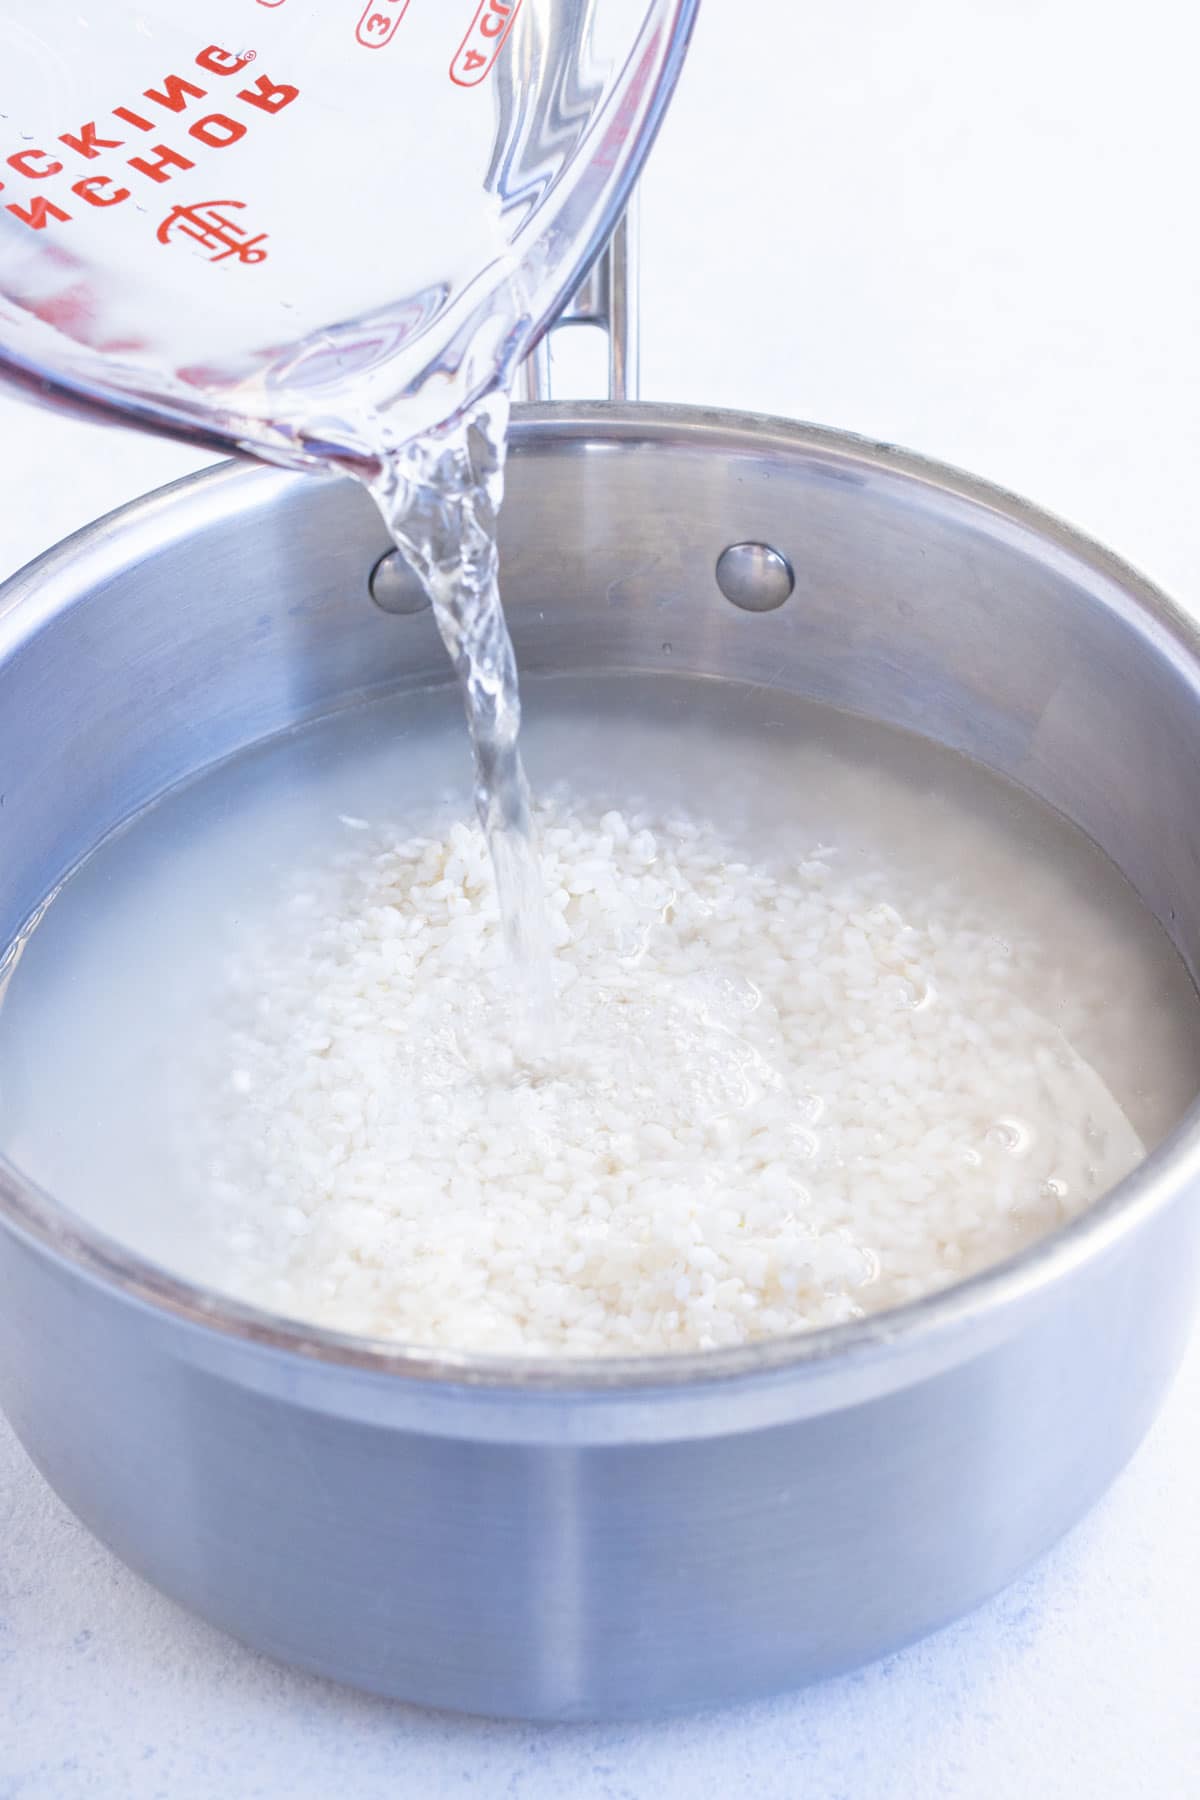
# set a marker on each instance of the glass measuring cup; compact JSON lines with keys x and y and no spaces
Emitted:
{"x":303,"y":229}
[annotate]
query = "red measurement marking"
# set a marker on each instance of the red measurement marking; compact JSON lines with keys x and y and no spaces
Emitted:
{"x":482,"y":45}
{"x":207,"y":225}
{"x":101,"y":189}
{"x":70,"y":310}
{"x":613,"y":141}
{"x":380,"y":18}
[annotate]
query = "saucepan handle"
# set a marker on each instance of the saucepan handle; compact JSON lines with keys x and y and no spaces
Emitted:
{"x":608,"y":297}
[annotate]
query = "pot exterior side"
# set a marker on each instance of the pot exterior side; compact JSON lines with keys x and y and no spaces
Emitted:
{"x":609,"y":1580}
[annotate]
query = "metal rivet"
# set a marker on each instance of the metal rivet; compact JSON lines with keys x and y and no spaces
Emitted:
{"x":754,"y":577}
{"x":394,"y":587}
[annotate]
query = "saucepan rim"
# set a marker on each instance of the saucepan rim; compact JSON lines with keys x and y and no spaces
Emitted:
{"x":47,"y":586}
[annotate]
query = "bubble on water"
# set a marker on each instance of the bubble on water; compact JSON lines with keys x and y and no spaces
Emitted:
{"x":1011,"y":1135}
{"x":916,"y":996}
{"x":1053,"y":1188}
{"x":803,"y":1143}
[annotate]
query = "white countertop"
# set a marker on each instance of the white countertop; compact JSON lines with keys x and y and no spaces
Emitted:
{"x":979,"y":241}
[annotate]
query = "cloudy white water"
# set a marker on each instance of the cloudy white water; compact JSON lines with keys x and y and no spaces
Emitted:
{"x":842,"y":1018}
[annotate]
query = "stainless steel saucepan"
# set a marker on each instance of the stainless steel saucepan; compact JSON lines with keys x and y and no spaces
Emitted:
{"x":537,"y":1537}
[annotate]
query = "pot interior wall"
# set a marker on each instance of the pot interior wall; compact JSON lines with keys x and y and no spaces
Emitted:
{"x":234,"y":606}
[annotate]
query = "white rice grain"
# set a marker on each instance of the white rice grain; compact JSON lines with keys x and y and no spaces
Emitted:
{"x":785,"y":1094}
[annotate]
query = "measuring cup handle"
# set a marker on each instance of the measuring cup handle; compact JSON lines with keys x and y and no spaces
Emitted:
{"x":607,"y":296}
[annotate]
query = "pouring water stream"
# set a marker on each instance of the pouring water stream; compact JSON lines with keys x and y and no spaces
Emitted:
{"x":440,"y":498}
